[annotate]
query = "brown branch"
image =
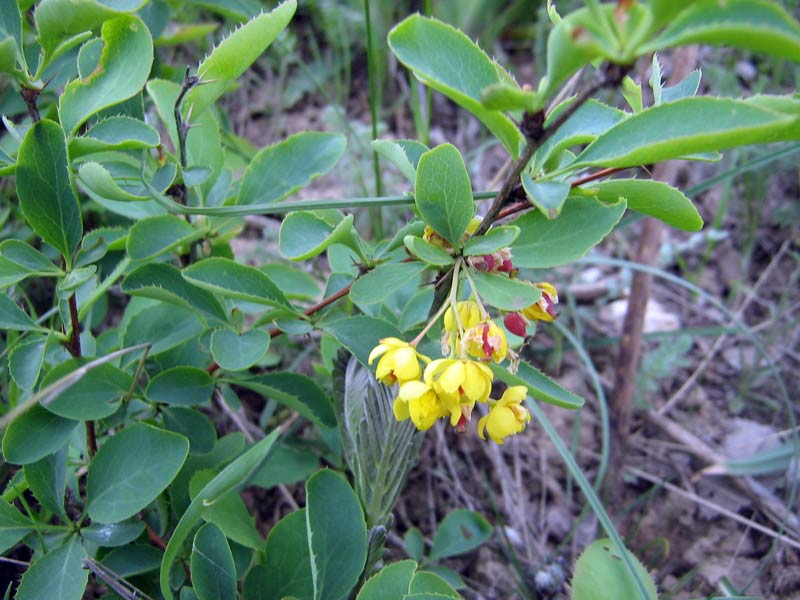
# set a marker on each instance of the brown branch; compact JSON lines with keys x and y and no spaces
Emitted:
{"x":31,"y":97}
{"x":73,"y":346}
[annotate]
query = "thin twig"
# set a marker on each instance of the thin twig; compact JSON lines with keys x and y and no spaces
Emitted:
{"x":125,"y":590}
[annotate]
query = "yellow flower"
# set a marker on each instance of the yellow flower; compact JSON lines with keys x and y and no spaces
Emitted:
{"x":459,"y":383}
{"x":468,"y":314}
{"x":506,"y":416}
{"x":544,"y":309}
{"x":419,"y":402}
{"x":487,"y":341}
{"x":433,"y":238}
{"x":399,"y":362}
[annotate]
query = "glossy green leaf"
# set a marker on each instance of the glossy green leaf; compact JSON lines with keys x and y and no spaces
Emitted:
{"x":181,"y":386}
{"x":360,"y":334}
{"x":234,"y":55}
{"x":503,"y":292}
{"x":35,"y":434}
{"x":278,"y":171}
{"x":237,"y":351}
{"x":74,"y":280}
{"x":755,"y":25}
{"x":686,"y":88}
{"x":443,"y":192}
{"x":235,"y":280}
{"x":154,"y":236}
{"x":131,"y":469}
{"x":505,"y":97}
{"x":539,"y":385}
{"x":493,"y":240}
{"x":193,"y":425}
{"x":687,"y":126}
{"x":285,"y":465}
{"x":58,"y":20}
{"x":547,"y":196}
{"x":414,"y":544}
{"x":98,"y":181}
{"x":384,"y":280}
{"x":292,"y":281}
{"x":582,"y":224}
{"x":113,"y":535}
{"x":19,"y":260}
{"x":163,"y":325}
{"x":97,"y":394}
{"x":296,"y":391}
{"x":46,"y":194}
{"x":229,"y":512}
{"x":286,"y":571}
{"x":337,"y":539}
{"x":133,"y":559}
{"x":25,"y":361}
{"x":11,"y":26}
{"x":459,"y":532}
{"x":427,"y":252}
{"x":12,"y":317}
{"x":432,"y":585}
{"x":403,"y":154}
{"x":232,"y":476}
{"x":212,"y":567}
{"x":654,"y":198}
{"x":47,"y":479}
{"x":392,"y":581}
{"x":164,"y":282}
{"x":304,"y":235}
{"x":446,"y":60}
{"x":600,"y":574}
{"x":13,"y":526}
{"x":58,"y":574}
{"x":115,"y":133}
{"x":122,"y":72}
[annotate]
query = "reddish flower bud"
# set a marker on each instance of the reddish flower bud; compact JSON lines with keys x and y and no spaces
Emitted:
{"x":516,"y":324}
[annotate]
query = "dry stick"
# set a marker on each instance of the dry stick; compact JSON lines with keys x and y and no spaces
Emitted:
{"x":120,"y":586}
{"x":631,"y":340}
{"x":717,"y":345}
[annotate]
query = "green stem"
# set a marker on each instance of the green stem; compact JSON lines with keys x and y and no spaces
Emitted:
{"x":375,"y":213}
{"x":101,"y":289}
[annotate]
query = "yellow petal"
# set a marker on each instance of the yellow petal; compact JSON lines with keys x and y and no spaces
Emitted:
{"x":452,"y":378}
{"x":501,"y":423}
{"x":376,"y":352}
{"x":406,"y":365}
{"x":400,"y":409}
{"x":482,"y":426}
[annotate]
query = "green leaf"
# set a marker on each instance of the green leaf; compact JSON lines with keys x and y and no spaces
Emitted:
{"x":293,"y":282}
{"x":304,"y":235}
{"x":287,"y":569}
{"x":539,"y":385}
{"x":427,"y":252}
{"x":505,"y":97}
{"x":234,"y":351}
{"x":115,"y":133}
{"x":755,"y":25}
{"x":285,"y":465}
{"x":134,"y":559}
{"x":235,"y":280}
{"x":193,"y":425}
{"x":459,"y":532}
{"x":687,"y":126}
{"x":583,"y":222}
{"x":493,"y":240}
{"x":686,"y":88}
{"x":384,"y":280}
{"x":232,"y":476}
{"x":18,"y":261}
{"x":632,"y":92}
{"x":131,"y":469}
{"x":403,"y":154}
{"x":25,"y":361}
{"x":212,"y":567}
{"x":113,"y":535}
{"x":58,"y":574}
{"x":503,"y":292}
{"x":229,"y":513}
{"x":12,"y":317}
{"x":181,"y":386}
{"x":163,"y":325}
{"x":47,"y":479}
{"x":337,"y":539}
{"x":414,"y":544}
{"x":122,"y":72}
{"x":11,"y":26}
{"x":234,"y":55}
{"x":98,"y":182}
{"x":446,"y":60}
{"x":600,"y":574}
{"x":654,"y":198}
{"x":280,"y":170}
{"x":164,"y":282}
{"x":430,"y":584}
{"x":46,"y":194}
{"x":547,"y":196}
{"x":154,"y":236}
{"x":443,"y":192}
{"x":297,"y":392}
{"x":13,"y":526}
{"x":392,"y":581}
{"x":35,"y":434}
{"x":360,"y":334}
{"x":96,"y":395}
